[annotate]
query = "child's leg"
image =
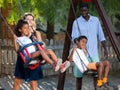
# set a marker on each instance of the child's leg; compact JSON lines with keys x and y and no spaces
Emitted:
{"x":54,"y":58}
{"x":17,"y":82}
{"x":99,"y":70}
{"x":52,"y":54}
{"x":106,"y":67}
{"x":46,"y":58}
{"x":43,"y":54}
{"x":33,"y":85}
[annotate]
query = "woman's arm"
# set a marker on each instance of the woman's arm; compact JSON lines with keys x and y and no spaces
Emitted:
{"x":39,"y":38}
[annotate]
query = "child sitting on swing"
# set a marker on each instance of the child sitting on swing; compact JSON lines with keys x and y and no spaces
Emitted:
{"x":21,"y":39}
{"x":97,"y":66}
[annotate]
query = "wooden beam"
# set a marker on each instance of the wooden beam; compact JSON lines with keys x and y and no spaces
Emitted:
{"x":108,"y":27}
{"x":67,"y":43}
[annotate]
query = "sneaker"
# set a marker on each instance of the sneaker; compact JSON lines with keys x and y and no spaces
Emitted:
{"x":64,"y":66}
{"x":59,"y":62}
{"x":55,"y":67}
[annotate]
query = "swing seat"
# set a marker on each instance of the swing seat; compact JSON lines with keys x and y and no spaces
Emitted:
{"x":80,"y":60}
{"x":30,"y":62}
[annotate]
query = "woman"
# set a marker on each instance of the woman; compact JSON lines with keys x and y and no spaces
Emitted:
{"x":25,"y":73}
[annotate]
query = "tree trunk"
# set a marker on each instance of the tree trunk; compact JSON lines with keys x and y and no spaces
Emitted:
{"x":50,"y":30}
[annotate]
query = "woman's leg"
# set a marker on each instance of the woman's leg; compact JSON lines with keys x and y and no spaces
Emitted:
{"x":33,"y":85}
{"x":17,"y":82}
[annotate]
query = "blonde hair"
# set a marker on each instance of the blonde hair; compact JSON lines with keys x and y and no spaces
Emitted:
{"x":30,"y":14}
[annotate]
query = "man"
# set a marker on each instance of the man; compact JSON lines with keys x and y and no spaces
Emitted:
{"x":90,"y":27}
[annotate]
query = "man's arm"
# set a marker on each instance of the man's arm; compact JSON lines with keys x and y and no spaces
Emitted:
{"x":102,"y":39}
{"x":75,"y":31}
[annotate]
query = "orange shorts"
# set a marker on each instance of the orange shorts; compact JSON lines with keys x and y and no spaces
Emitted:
{"x":92,"y":66}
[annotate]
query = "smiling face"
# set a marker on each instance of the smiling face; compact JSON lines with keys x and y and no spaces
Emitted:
{"x":84,"y":11}
{"x":82,"y":43}
{"x":30,"y":20}
{"x":24,"y":30}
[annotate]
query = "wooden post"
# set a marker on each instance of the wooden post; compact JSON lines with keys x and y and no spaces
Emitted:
{"x":108,"y":27}
{"x":67,"y":43}
{"x":0,"y":58}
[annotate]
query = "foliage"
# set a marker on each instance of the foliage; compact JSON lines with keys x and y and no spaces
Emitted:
{"x":53,"y":11}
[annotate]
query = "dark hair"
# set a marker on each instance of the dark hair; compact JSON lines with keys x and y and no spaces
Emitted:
{"x":27,"y":14}
{"x":19,"y":25}
{"x":81,"y":37}
{"x":81,"y":5}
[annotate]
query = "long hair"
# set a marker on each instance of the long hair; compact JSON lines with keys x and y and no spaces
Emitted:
{"x":30,"y":14}
{"x":19,"y":25}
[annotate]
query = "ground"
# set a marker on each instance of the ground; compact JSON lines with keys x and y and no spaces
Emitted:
{"x":50,"y":82}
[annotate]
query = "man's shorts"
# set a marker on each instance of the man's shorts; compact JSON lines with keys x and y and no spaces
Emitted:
{"x":77,"y":72}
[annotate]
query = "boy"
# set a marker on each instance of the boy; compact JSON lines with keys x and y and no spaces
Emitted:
{"x":78,"y":55}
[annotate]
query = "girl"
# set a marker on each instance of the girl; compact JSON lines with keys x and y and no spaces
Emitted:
{"x":22,"y":32}
{"x":36,"y":36}
{"x":98,"y":66}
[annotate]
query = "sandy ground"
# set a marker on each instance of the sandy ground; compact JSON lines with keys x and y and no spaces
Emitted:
{"x":50,"y":82}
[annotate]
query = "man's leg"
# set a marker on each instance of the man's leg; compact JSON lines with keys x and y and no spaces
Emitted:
{"x":78,"y":75}
{"x":78,"y":83}
{"x":95,"y":81}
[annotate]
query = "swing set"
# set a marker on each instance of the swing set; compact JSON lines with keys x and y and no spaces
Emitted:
{"x":27,"y":59}
{"x":29,"y":62}
{"x":71,"y":18}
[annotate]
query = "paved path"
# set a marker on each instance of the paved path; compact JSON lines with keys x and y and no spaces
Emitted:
{"x":50,"y":83}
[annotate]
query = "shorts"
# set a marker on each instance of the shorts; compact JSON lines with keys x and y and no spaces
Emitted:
{"x":77,"y":72}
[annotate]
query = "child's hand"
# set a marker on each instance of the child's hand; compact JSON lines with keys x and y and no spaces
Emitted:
{"x":85,"y":50}
{"x":74,"y":48}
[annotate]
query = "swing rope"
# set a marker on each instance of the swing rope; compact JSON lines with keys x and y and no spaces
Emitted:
{"x":82,"y":63}
{"x":73,"y":8}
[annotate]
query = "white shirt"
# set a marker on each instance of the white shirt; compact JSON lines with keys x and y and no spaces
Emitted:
{"x":24,"y":41}
{"x":80,"y":60}
{"x":92,"y":30}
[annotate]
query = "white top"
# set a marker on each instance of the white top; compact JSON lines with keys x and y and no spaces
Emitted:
{"x":92,"y":30}
{"x":24,"y":41}
{"x":80,"y":60}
